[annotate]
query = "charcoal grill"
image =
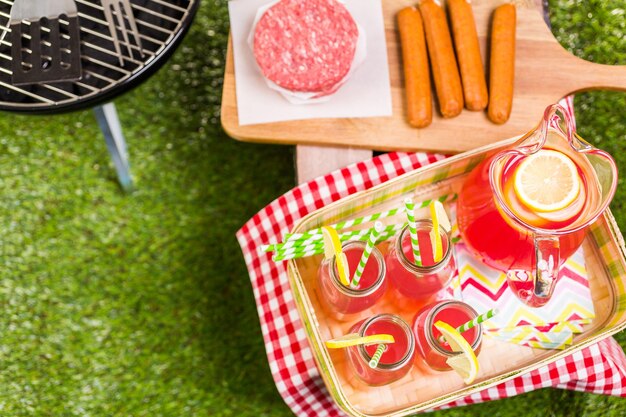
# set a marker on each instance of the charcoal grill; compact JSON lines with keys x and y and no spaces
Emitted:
{"x":161,"y":24}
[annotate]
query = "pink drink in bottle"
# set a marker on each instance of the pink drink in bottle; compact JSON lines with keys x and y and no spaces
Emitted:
{"x":455,"y":313}
{"x":396,"y":360}
{"x":414,"y":281}
{"x":342,"y":301}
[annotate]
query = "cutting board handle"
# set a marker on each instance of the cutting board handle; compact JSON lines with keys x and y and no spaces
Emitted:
{"x":575,"y":74}
{"x":587,"y":76}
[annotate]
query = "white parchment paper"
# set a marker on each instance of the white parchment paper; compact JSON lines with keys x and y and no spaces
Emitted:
{"x":366,"y":93}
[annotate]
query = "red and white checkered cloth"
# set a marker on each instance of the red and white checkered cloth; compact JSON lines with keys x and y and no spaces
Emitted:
{"x":600,"y":368}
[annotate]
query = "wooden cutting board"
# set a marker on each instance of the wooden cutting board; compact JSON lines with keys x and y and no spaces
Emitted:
{"x":544,"y":73}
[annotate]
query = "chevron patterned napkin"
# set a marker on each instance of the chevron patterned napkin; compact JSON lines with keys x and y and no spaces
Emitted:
{"x":551,"y":326}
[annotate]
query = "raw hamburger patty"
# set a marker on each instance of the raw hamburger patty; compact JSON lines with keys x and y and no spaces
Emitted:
{"x":305,"y":45}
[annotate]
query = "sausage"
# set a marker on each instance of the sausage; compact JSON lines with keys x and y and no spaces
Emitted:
{"x":416,"y":71}
{"x":502,"y":64}
{"x":442,"y":59}
{"x":468,"y":54}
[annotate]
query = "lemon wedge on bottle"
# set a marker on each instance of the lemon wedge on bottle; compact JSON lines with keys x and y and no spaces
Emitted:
{"x":440,"y":220}
{"x":353,"y":339}
{"x":332,"y":247}
{"x":547,"y":181}
{"x":465,"y":363}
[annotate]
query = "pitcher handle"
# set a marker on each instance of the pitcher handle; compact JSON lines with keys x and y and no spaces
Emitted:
{"x":547,"y":260}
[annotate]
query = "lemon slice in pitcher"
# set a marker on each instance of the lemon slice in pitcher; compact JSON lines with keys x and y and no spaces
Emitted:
{"x":547,"y":181}
{"x":353,"y":339}
{"x":332,"y":247}
{"x":465,"y":363}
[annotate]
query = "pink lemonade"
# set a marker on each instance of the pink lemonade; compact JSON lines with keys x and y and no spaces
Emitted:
{"x":394,"y":352}
{"x":342,"y":301}
{"x":419,"y":282}
{"x":396,"y":360}
{"x":498,"y":241}
{"x":455,"y":313}
{"x":494,"y":238}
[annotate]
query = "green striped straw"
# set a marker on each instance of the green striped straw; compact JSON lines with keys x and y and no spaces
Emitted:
{"x":317,"y":233}
{"x":354,"y":234}
{"x":316,"y":249}
{"x":410,"y":217}
{"x":472,"y":323}
{"x":477,"y":320}
{"x":371,"y":242}
{"x":376,"y":358}
{"x":289,"y":247}
{"x":365,"y":219}
{"x":315,"y":240}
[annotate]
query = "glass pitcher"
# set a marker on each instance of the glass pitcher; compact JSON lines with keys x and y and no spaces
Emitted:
{"x":528,"y":241}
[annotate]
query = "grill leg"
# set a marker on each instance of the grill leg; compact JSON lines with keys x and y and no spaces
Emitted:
{"x":112,"y":130}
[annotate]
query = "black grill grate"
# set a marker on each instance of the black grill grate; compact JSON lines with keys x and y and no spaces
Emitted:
{"x":159,"y":22}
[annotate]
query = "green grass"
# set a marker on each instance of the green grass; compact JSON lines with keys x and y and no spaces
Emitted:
{"x":140,"y":305}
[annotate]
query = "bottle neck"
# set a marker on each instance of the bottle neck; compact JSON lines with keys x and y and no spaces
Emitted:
{"x":396,"y":321}
{"x":426,"y":226}
{"x":430,"y":321}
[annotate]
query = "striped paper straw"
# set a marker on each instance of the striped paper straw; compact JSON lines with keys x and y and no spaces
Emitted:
{"x":410,"y":217}
{"x":300,"y":250}
{"x":366,"y":219}
{"x":288,"y":247}
{"x":376,"y":358}
{"x":479,"y":319}
{"x":317,"y":249}
{"x":344,"y":224}
{"x":367,"y":251}
{"x":356,"y":234}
